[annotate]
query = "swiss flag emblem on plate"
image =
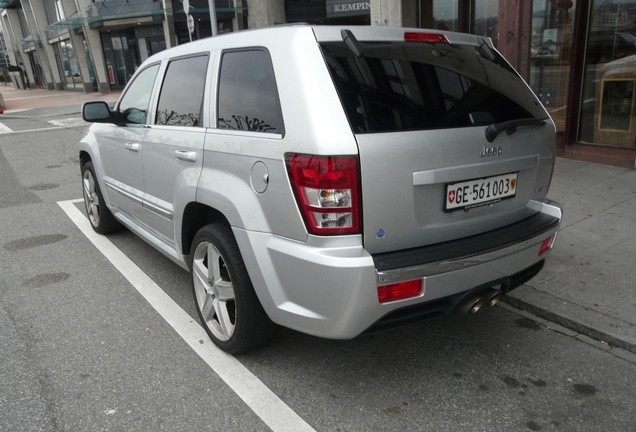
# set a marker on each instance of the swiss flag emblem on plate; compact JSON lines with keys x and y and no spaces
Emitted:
{"x":451,"y":196}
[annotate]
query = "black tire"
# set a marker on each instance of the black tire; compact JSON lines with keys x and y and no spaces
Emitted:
{"x":223,"y":293}
{"x":100,"y":217}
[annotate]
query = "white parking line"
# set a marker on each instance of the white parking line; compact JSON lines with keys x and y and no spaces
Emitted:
{"x":265,"y":404}
{"x":12,"y":132}
{"x":74,"y":121}
{"x":5,"y":129}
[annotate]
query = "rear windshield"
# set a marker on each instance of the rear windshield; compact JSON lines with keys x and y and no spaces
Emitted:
{"x":417,"y":86}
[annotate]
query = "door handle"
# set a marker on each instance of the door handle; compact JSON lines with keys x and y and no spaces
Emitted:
{"x":185,"y":155}
{"x":133,"y":146}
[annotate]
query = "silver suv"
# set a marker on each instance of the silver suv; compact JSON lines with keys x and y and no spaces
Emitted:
{"x":336,"y":181}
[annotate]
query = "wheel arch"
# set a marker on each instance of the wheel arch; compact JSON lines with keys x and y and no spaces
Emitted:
{"x":195,"y":216}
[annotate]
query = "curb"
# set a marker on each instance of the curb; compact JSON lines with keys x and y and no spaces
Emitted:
{"x":580,"y":319}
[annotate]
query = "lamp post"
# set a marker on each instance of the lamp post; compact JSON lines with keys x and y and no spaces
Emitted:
{"x":213,"y":22}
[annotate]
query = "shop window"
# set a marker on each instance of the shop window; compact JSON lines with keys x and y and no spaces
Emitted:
{"x":607,"y":108}
{"x":551,"y":55}
{"x":248,"y":97}
{"x":486,"y":20}
{"x":446,"y":15}
{"x":181,"y":97}
{"x":135,"y":102}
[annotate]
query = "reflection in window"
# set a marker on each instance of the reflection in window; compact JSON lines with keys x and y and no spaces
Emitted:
{"x":550,"y":55}
{"x":607,"y":109}
{"x":134,"y":104}
{"x":421,"y":90}
{"x":248,"y":97}
{"x":182,"y":92}
{"x":486,"y":19}
{"x":446,"y":15}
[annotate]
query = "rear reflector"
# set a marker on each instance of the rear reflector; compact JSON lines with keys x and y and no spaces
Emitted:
{"x":399,"y":291}
{"x":426,"y":37}
{"x":547,"y":244}
{"x":327,"y":189}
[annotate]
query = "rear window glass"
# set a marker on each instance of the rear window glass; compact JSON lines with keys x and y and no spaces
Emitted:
{"x":416,"y":86}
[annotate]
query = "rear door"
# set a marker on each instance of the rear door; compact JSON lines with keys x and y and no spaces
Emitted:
{"x":419,"y":111}
{"x":173,"y":145}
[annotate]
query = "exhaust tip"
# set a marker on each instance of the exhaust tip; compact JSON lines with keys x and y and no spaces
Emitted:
{"x":492,"y":300}
{"x":473,"y":305}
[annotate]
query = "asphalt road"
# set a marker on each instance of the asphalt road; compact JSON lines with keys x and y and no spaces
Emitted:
{"x":81,"y":349}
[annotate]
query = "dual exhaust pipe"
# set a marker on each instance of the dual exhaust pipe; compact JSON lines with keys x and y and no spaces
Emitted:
{"x":488,"y":297}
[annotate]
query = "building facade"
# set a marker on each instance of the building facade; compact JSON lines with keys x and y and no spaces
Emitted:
{"x":579,"y":56}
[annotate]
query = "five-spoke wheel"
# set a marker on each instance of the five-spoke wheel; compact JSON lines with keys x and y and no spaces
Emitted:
{"x":226,"y":302}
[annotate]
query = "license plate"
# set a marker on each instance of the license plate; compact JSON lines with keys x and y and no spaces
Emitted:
{"x":481,"y":192}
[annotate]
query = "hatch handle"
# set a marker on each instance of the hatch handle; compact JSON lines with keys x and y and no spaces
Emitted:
{"x":510,"y":127}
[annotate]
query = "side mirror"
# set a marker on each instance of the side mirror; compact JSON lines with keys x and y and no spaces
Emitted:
{"x":97,"y":112}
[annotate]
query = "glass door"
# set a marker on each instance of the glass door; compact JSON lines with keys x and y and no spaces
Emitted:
{"x":608,"y":114}
{"x":551,"y":55}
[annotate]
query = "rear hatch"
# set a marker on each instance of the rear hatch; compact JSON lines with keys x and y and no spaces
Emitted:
{"x":419,"y":110}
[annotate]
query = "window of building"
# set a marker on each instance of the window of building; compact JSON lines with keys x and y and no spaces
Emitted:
{"x":551,"y":55}
{"x":248,"y":96}
{"x":486,"y":19}
{"x":179,"y":104}
{"x":134,"y":104}
{"x":70,"y":65}
{"x":608,"y":113}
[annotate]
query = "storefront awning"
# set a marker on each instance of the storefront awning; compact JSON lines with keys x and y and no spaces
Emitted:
{"x":111,"y":10}
{"x":6,"y":3}
{"x":29,"y":42}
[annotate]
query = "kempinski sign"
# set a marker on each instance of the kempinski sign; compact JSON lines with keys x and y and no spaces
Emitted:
{"x":321,"y":9}
{"x":342,"y":8}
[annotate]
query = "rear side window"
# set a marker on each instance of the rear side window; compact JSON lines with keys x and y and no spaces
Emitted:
{"x":416,"y":86}
{"x":181,"y":96}
{"x":248,"y":96}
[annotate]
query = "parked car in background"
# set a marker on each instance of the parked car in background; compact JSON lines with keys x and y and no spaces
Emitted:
{"x":334,"y":180}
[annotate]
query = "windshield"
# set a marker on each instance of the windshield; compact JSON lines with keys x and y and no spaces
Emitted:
{"x":401,"y":86}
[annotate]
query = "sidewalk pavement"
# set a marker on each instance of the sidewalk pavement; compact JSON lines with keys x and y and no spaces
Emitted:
{"x":47,"y":103}
{"x":588,"y":284}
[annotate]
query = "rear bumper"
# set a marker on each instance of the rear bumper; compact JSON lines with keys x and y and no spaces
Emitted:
{"x":327,"y":287}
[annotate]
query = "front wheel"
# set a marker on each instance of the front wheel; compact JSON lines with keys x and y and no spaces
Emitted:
{"x":225,"y":299}
{"x":100,"y":217}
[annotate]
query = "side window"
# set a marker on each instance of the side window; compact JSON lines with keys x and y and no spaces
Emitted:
{"x":134,"y":104}
{"x":182,"y":90}
{"x":248,"y":97}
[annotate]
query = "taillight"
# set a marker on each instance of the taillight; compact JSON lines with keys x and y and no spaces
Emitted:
{"x":425,"y":37}
{"x":327,"y":190}
{"x":399,"y":291}
{"x":547,"y":244}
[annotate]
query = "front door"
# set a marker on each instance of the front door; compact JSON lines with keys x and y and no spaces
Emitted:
{"x":121,"y":146}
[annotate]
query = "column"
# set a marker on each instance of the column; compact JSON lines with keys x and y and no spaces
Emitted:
{"x":94,"y":44}
{"x":168,"y":25}
{"x":13,"y":45}
{"x":16,"y":33}
{"x":45,"y":52}
{"x":515,"y":32}
{"x":32,"y":31}
{"x":265,"y":13}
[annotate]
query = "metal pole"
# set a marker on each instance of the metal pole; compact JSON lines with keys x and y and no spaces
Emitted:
{"x":213,"y":22}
